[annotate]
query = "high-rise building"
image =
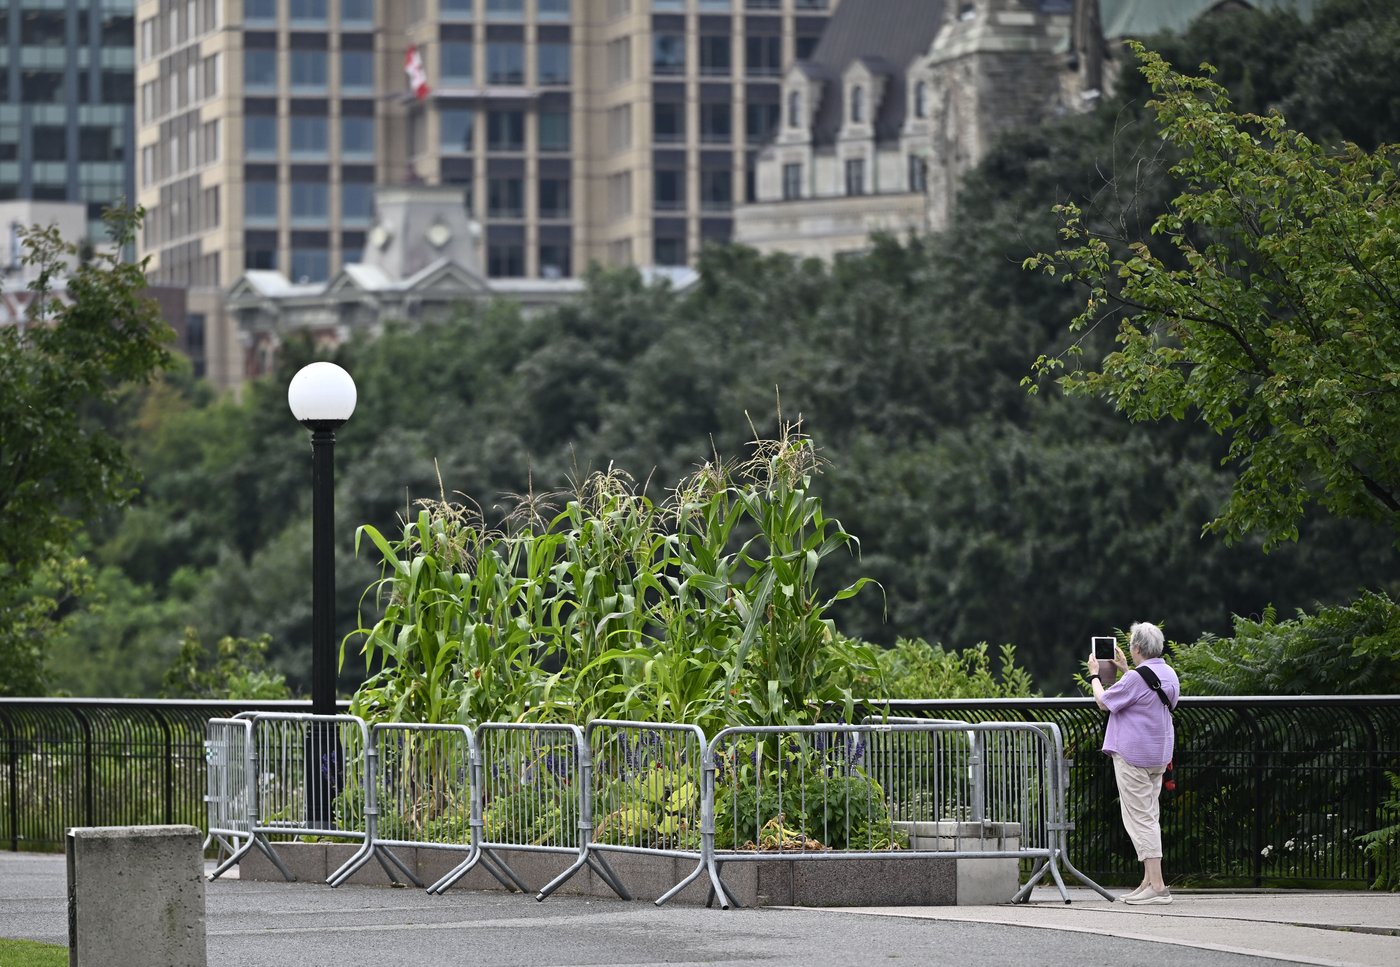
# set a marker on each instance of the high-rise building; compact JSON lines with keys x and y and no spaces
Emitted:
{"x":66,"y":103}
{"x":616,"y":131}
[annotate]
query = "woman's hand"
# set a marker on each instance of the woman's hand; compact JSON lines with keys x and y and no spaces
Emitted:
{"x":1120,"y":659}
{"x":1093,"y":663}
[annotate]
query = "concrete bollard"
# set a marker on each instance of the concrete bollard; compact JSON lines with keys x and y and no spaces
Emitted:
{"x":136,"y":897}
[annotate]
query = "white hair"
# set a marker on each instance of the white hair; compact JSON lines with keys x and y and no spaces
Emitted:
{"x":1147,"y":639}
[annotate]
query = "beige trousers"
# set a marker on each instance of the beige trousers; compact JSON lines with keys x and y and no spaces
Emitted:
{"x":1138,"y":789}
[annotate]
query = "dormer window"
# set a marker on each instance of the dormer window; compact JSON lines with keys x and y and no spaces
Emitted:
{"x":921,"y":99}
{"x":794,"y":109}
{"x":857,"y":105}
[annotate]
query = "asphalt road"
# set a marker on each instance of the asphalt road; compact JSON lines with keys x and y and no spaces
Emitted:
{"x":259,"y":924}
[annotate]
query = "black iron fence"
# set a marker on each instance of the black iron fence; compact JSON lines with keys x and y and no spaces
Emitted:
{"x":1271,"y":790}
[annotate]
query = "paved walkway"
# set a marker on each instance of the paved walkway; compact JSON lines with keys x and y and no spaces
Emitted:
{"x":310,"y":925}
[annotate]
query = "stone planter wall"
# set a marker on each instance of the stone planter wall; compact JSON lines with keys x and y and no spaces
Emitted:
{"x":896,"y":881}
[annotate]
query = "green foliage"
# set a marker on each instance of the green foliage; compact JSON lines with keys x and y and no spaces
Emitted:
{"x":801,"y":792}
{"x":1347,"y":649}
{"x":1382,"y":845}
{"x":914,"y":669}
{"x":29,"y":953}
{"x":704,"y":610}
{"x":60,"y":376}
{"x":31,"y":621}
{"x":1263,"y":301}
{"x":237,"y":669}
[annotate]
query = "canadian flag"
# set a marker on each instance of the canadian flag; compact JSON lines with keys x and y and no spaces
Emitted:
{"x":417,"y":76}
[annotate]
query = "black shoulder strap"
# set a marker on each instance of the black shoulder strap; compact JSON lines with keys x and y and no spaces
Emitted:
{"x":1154,"y":683}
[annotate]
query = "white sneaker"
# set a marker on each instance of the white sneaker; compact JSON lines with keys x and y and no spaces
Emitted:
{"x":1148,"y":896}
{"x":1136,"y":891}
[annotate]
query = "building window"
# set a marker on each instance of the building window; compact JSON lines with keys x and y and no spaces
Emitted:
{"x":555,"y":198}
{"x":356,"y":136}
{"x":804,"y":44}
{"x":356,"y":203}
{"x":260,"y":69}
{"x":309,"y":137}
{"x":668,"y":53}
{"x":505,"y":260}
{"x":552,"y":9}
{"x":357,"y":12}
{"x":310,"y":202}
{"x":308,"y":11}
{"x":716,"y":58}
{"x":620,"y":127}
{"x":260,"y":135}
{"x":717,"y":190}
{"x":259,"y":258}
{"x":505,"y":9}
{"x":763,"y":55}
{"x":357,"y":70}
{"x":50,"y":143}
{"x":668,"y":189}
{"x":460,"y":9}
{"x":760,"y":121}
{"x":552,"y":63}
{"x":455,"y":128}
{"x":921,"y":99}
{"x":259,"y":11}
{"x":855,"y":176}
{"x":555,"y":261}
{"x":458,"y":64}
{"x":620,"y":194}
{"x":505,"y":130}
{"x":310,"y":265}
{"x":42,"y":87}
{"x":554,"y":131}
{"x":308,"y":70}
{"x":505,"y":198}
{"x":505,"y":63}
{"x":794,"y":109}
{"x":194,"y":340}
{"x":792,"y":182}
{"x":918,"y":174}
{"x":668,"y":251}
{"x":717,"y":122}
{"x":667,"y":121}
{"x":260,"y":202}
{"x":619,"y":60}
{"x":857,"y":105}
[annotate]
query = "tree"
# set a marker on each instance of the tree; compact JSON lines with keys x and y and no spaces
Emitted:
{"x":1266,"y":300}
{"x":59,"y":376}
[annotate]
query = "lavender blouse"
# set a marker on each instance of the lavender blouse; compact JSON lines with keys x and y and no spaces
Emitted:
{"x":1139,"y":725}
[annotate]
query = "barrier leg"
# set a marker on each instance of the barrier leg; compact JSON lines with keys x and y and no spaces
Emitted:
{"x":608,"y":875}
{"x":234,"y":857}
{"x":717,"y":887}
{"x":352,"y":864}
{"x":562,"y":878}
{"x":382,"y":851}
{"x":1064,"y":857}
{"x":456,"y":873}
{"x":694,"y":874}
{"x":262,"y":843}
{"x":1023,"y":895}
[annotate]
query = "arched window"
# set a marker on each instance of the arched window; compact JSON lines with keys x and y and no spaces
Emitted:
{"x":857,"y":104}
{"x":921,"y":99}
{"x":794,"y":109}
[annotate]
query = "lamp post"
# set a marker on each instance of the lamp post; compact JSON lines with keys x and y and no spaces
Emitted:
{"x":322,"y":397}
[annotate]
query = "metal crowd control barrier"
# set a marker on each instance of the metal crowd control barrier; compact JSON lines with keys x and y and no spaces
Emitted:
{"x":532,"y":790}
{"x":649,"y":793}
{"x":890,"y":790}
{"x":229,"y":789}
{"x":420,"y":792}
{"x":309,"y":778}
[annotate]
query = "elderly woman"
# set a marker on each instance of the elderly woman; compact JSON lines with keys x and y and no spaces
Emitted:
{"x":1140,"y":740}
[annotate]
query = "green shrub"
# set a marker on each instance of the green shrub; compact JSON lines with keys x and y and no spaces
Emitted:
{"x":915,"y":669}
